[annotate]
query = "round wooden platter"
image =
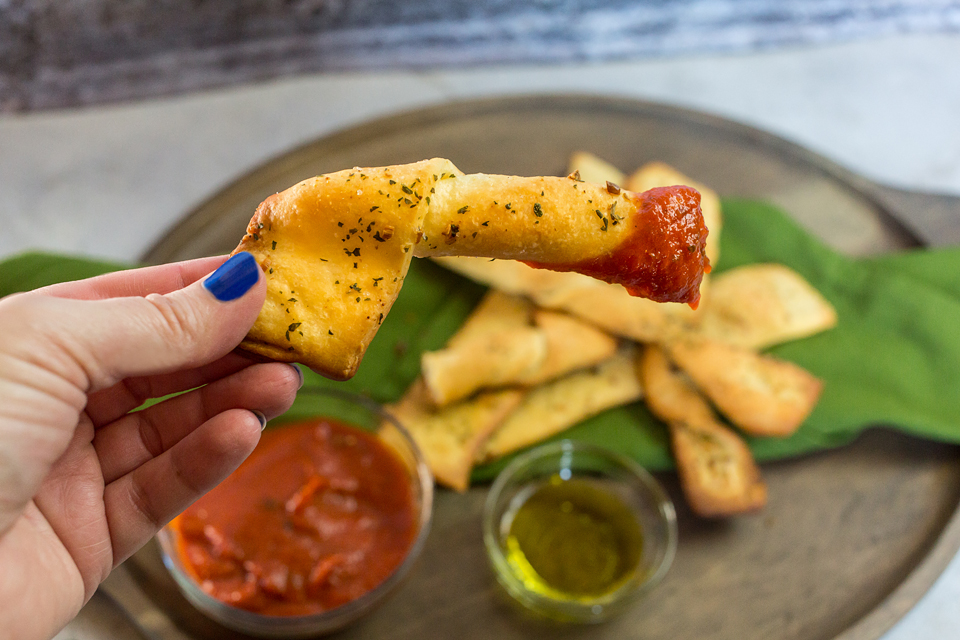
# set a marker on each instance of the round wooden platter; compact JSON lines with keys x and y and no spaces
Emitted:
{"x":851,"y":538}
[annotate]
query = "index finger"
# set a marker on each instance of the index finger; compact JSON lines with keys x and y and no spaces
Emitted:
{"x":160,"y":279}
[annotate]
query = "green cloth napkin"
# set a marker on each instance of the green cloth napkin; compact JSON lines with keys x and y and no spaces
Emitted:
{"x":891,"y":360}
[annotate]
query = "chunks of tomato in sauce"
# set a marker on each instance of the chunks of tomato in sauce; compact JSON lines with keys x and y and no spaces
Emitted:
{"x":318,"y":515}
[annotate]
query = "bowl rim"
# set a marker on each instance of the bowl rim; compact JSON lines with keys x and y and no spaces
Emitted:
{"x":587,"y":610}
{"x":332,"y":619}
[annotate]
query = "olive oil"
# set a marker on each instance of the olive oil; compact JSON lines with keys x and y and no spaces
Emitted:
{"x":573,"y":540}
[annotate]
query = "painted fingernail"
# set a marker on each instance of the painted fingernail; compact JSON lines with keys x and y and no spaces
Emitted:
{"x":262,"y":418}
{"x":299,"y":371}
{"x":234,"y":277}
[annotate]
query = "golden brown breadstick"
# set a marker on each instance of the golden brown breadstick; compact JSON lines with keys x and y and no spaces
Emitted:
{"x":335,"y":248}
{"x":717,"y":472}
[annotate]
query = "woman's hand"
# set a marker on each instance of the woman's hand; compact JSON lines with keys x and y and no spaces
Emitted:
{"x":84,"y":479}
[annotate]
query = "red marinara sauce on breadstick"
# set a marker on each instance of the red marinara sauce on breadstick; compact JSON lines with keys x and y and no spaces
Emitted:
{"x":663,"y":257}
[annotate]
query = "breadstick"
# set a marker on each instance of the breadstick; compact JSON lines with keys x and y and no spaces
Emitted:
{"x":335,"y":248}
{"x":718,"y":474}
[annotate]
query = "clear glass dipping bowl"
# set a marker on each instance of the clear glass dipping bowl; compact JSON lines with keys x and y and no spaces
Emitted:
{"x":350,"y":409}
{"x":608,"y":471}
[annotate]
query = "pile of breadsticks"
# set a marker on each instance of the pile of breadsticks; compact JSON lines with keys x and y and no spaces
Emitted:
{"x":545,"y":350}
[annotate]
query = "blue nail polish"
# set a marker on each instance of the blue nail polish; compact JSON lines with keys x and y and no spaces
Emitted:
{"x":234,"y":277}
{"x":299,"y":371}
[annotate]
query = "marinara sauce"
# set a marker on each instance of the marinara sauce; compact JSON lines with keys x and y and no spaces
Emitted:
{"x":664,"y":256}
{"x":319,"y":514}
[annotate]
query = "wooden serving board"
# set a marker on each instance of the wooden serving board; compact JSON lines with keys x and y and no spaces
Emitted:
{"x":851,"y":538}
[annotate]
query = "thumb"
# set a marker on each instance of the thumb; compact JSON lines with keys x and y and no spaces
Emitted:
{"x":123,"y":337}
{"x":94,"y":344}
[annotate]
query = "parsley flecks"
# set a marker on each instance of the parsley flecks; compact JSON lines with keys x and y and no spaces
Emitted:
{"x":537,"y":210}
{"x":293,"y":327}
{"x":451,"y":233}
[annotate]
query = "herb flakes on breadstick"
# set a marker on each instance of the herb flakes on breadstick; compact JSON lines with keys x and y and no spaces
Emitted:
{"x":335,"y":248}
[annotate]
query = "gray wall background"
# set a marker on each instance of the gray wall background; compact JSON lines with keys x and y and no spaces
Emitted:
{"x":66,"y":53}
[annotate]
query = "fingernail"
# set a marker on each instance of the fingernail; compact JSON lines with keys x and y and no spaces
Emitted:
{"x":234,"y":277}
{"x":262,"y":418}
{"x":299,"y":371}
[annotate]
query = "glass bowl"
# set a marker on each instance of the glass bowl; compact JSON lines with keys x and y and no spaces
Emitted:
{"x":618,"y":499}
{"x":356,"y":411}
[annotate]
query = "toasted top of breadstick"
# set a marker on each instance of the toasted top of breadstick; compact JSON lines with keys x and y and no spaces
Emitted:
{"x":335,"y":248}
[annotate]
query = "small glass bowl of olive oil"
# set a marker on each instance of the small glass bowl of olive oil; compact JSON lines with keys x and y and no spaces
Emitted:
{"x":576,"y":532}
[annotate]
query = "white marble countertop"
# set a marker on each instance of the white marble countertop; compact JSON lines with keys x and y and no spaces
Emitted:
{"x":108,"y":181}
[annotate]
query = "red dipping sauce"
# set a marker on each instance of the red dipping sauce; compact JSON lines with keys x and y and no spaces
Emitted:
{"x":664,"y":256}
{"x":318,"y":515}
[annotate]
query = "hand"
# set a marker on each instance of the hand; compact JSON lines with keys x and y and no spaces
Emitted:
{"x":84,"y":479}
